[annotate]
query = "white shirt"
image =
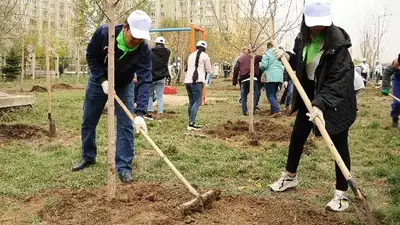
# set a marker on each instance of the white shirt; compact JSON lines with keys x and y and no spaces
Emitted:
{"x":358,"y":81}
{"x":365,"y":67}
{"x":378,"y":69}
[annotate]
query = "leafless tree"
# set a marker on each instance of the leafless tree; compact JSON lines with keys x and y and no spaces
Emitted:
{"x":12,"y":13}
{"x":373,"y":34}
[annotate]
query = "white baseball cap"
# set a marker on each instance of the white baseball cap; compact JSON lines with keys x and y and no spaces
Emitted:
{"x":160,"y":40}
{"x":139,"y":25}
{"x":318,"y":13}
{"x":201,"y":44}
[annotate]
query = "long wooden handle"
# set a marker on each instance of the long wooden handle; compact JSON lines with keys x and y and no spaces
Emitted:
{"x":317,"y":121}
{"x":158,"y":150}
{"x":394,"y":97}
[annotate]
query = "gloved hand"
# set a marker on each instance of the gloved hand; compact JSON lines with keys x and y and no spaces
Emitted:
{"x":278,"y":53}
{"x":104,"y":85}
{"x":285,"y":84}
{"x":139,"y":124}
{"x":316,"y":112}
{"x":385,"y":91}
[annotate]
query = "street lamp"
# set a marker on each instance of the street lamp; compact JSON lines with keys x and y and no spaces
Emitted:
{"x":379,"y":30}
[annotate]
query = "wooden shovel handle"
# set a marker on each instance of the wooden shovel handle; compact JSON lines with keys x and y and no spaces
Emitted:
{"x":158,"y":150}
{"x":317,"y":121}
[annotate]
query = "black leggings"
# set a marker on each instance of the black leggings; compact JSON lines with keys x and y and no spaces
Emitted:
{"x":301,"y":130}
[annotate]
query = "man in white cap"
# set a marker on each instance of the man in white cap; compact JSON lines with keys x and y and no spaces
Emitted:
{"x":132,"y":56}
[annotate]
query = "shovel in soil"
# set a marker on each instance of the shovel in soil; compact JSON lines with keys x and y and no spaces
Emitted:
{"x":198,"y":204}
{"x":362,"y":208}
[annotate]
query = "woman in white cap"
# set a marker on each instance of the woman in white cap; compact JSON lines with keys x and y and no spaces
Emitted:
{"x":325,"y":70}
{"x":199,"y":65}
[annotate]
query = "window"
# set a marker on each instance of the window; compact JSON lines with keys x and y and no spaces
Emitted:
{"x":32,"y":21}
{"x":162,"y":5}
{"x":162,"y":14}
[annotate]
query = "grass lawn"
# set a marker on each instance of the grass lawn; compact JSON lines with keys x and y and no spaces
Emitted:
{"x":31,"y":166}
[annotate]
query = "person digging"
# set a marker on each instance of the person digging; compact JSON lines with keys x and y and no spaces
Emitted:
{"x":133,"y":56}
{"x":325,"y":70}
{"x":394,"y":72}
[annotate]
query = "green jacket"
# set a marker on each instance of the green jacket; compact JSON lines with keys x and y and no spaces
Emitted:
{"x":272,"y":66}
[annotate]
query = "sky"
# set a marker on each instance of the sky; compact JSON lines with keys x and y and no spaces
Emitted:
{"x":352,"y":15}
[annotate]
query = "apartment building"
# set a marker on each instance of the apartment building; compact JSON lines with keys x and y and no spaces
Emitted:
{"x":200,"y":12}
{"x":58,"y":15}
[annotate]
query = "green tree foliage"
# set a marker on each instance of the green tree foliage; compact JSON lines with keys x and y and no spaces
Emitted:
{"x":13,"y":66}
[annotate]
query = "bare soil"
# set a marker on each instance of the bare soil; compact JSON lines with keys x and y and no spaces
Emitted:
{"x":62,"y":86}
{"x":20,"y":132}
{"x":265,"y":129}
{"x":37,"y":88}
{"x":166,"y":115}
{"x":153,"y":203}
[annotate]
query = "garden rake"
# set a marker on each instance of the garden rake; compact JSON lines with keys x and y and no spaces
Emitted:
{"x":198,"y":204}
{"x":363,"y":210}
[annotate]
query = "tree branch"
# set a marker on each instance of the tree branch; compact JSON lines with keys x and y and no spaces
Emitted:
{"x":119,"y":17}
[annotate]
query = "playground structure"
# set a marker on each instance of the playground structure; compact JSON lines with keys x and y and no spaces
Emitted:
{"x":192,"y":29}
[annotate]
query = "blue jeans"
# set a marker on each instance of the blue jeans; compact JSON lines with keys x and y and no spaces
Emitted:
{"x":396,"y":92}
{"x":157,"y":91}
{"x":271,"y":89}
{"x":289,"y":93}
{"x":95,"y":100}
{"x":257,"y":93}
{"x":226,"y":73}
{"x":195,"y":93}
{"x":244,"y":91}
{"x":208,"y":79}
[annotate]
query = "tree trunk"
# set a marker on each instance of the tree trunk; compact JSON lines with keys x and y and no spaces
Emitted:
{"x":22,"y":63}
{"x":251,"y":108}
{"x":46,"y":49}
{"x":110,"y":111}
{"x":78,"y":69}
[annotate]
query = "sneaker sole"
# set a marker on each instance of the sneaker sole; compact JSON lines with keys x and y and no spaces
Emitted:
{"x":192,"y":128}
{"x":284,"y":189}
{"x":328,"y":208}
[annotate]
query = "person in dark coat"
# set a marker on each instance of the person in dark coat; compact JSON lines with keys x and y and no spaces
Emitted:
{"x":325,"y":70}
{"x":393,"y":72}
{"x":159,"y":57}
{"x":241,"y":75}
{"x":258,"y":84}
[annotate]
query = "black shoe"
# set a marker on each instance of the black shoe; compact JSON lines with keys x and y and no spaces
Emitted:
{"x":395,"y":122}
{"x":194,"y":126}
{"x":125,"y":177}
{"x":82,"y":165}
{"x":245,"y":114}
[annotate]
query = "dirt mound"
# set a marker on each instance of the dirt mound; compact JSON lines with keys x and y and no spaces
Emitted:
{"x":20,"y":132}
{"x":38,"y":88}
{"x":264,"y":130}
{"x":153,"y":203}
{"x":61,"y":86}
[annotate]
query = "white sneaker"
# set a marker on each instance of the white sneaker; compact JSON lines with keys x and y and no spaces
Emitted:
{"x":339,"y":203}
{"x":284,"y":182}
